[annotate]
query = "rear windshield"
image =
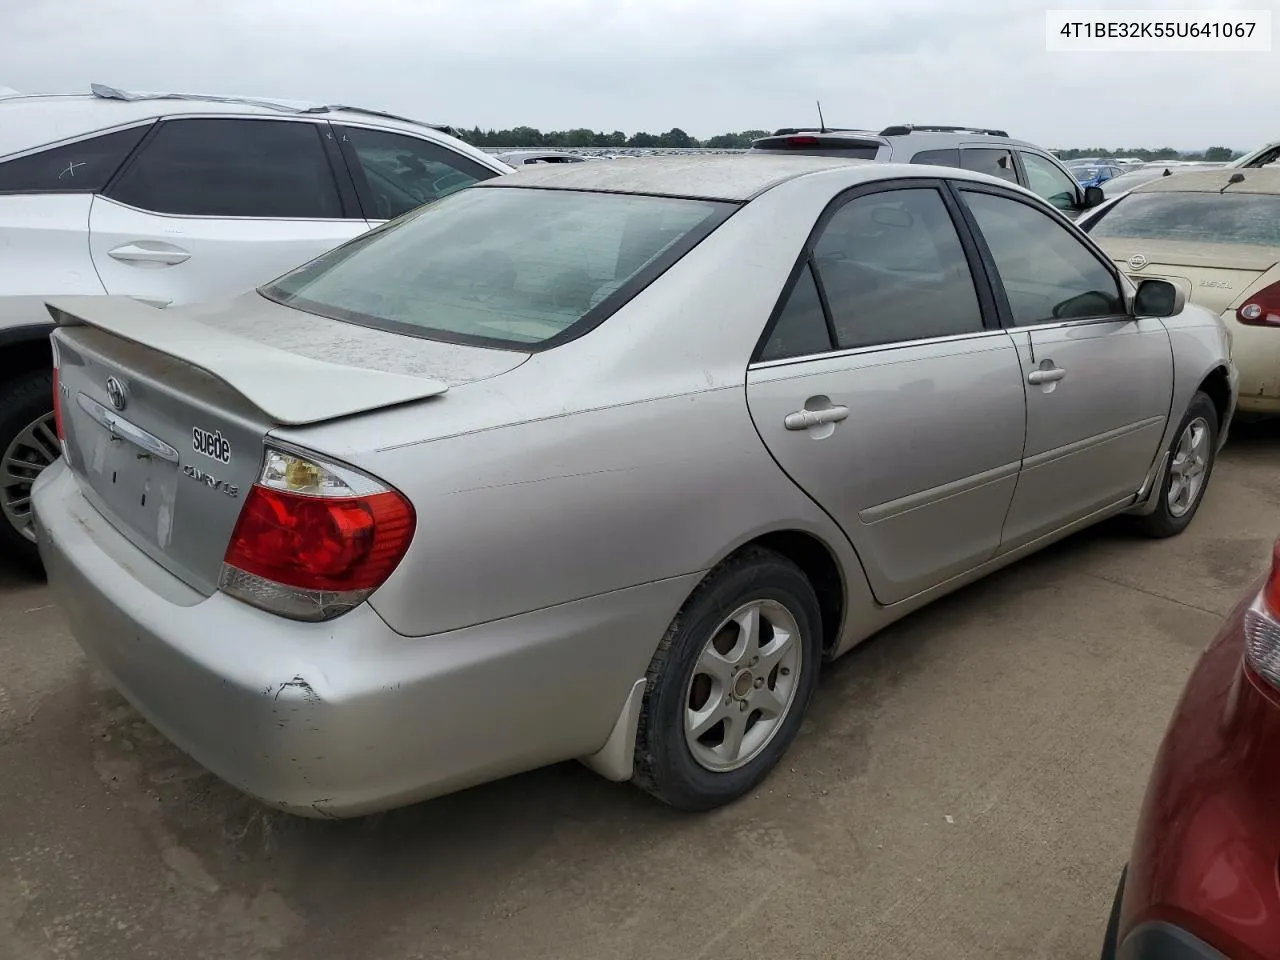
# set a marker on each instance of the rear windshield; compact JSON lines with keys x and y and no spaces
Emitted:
{"x":1248,"y":218}
{"x":507,"y":267}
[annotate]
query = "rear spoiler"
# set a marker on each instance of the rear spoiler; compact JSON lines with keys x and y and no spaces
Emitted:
{"x":287,"y":387}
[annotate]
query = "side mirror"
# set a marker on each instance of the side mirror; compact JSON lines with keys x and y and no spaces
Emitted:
{"x":1158,"y":298}
{"x":1093,"y":196}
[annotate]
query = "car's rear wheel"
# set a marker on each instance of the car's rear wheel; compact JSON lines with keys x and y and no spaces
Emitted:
{"x":1191,"y":459}
{"x":730,"y":682}
{"x":28,"y":444}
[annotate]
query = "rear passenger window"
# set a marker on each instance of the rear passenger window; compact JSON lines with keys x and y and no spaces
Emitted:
{"x":893,"y":269}
{"x":938,"y":158}
{"x":232,"y":168}
{"x":995,"y":163}
{"x":1047,"y":274}
{"x":81,"y":167}
{"x":801,"y":329}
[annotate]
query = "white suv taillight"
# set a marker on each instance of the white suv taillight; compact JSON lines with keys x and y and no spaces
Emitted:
{"x":1262,"y":626}
{"x":314,"y":539}
{"x":57,"y":394}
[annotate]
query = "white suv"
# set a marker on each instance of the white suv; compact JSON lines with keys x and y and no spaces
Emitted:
{"x":175,"y":198}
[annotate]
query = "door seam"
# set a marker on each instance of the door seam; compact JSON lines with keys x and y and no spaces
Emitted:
{"x":88,"y":242}
{"x":1026,"y":427}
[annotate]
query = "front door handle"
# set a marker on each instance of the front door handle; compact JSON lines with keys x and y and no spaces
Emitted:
{"x":804,"y":419}
{"x":143,"y":252}
{"x":1046,"y":375}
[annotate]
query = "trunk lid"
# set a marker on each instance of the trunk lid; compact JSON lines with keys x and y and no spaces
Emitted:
{"x":1214,"y":275}
{"x":165,"y":412}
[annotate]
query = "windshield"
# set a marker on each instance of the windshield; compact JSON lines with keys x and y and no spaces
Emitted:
{"x":1247,"y":218}
{"x":507,"y":267}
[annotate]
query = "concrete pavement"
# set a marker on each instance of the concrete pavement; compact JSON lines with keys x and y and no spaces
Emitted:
{"x":966,"y":786}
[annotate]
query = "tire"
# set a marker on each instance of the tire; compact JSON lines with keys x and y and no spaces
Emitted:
{"x":24,"y":403}
{"x":1110,"y":939}
{"x":1171,"y":516}
{"x":766,"y":708}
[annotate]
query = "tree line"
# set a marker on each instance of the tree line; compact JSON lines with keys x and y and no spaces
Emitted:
{"x":582,"y":138}
{"x":1212,"y":155}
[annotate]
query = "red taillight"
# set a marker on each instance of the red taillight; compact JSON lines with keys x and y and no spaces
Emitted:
{"x":317,"y":543}
{"x":1262,"y":626}
{"x":314,"y":540}
{"x":1262,"y":309}
{"x":57,"y":403}
{"x":802,"y":141}
{"x":1271,"y":591}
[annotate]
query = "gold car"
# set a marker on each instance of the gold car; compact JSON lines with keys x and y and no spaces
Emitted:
{"x":1216,"y":235}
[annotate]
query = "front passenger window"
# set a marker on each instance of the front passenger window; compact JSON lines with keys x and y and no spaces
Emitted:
{"x":230,"y":167}
{"x":1048,"y":274}
{"x":893,"y":269}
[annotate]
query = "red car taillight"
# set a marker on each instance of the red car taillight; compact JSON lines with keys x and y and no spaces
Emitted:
{"x":314,"y":539}
{"x":1262,"y":626}
{"x":1262,"y":309}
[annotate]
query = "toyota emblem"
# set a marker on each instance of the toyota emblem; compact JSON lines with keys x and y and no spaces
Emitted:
{"x":1137,"y":262}
{"x":115,"y":393}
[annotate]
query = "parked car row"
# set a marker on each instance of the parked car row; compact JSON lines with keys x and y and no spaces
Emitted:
{"x":1094,"y":174}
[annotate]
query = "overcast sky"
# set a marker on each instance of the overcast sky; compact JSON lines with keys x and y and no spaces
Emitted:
{"x":707,"y":66}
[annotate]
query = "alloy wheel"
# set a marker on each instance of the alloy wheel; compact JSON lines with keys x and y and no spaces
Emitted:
{"x":1189,"y":467}
{"x":35,"y":447}
{"x":743,"y":685}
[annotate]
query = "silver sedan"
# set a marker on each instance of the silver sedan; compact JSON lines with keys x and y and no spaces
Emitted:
{"x":600,"y":462}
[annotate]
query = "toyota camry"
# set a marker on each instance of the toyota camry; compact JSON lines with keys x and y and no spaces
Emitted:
{"x":601,"y":462}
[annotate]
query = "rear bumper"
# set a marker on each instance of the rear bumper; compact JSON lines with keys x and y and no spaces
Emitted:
{"x":1259,"y":405}
{"x":345,"y":717}
{"x":1256,"y":353}
{"x":1202,"y":875}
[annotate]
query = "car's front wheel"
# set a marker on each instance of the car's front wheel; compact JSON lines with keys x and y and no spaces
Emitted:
{"x":1191,"y":459}
{"x":730,"y":682}
{"x":28,"y":444}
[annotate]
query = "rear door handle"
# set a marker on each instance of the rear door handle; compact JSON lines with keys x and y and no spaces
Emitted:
{"x":150,"y":253}
{"x":1049,"y":375}
{"x":804,"y":419}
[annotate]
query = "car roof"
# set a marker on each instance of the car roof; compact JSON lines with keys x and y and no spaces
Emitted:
{"x":34,"y":120}
{"x":708,"y":177}
{"x":919,"y":137}
{"x":1256,"y":180}
{"x":536,"y":153}
{"x":734,"y":177}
